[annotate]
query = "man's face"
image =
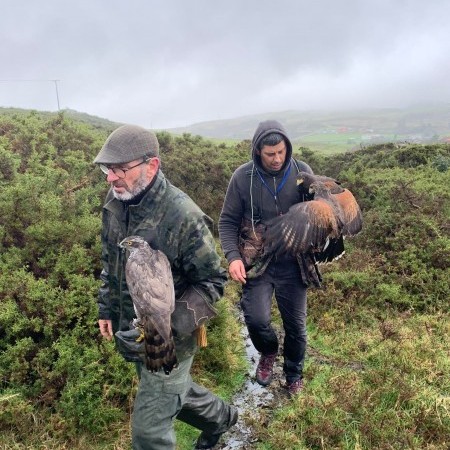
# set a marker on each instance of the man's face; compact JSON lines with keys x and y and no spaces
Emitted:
{"x":273,"y":156}
{"x":136,"y":179}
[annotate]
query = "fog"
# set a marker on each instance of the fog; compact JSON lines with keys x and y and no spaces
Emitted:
{"x":170,"y":63}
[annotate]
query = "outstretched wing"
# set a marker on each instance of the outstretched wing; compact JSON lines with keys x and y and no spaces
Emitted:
{"x":350,"y":212}
{"x":306,"y":227}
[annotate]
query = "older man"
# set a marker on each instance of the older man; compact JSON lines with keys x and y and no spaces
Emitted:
{"x":141,"y":201}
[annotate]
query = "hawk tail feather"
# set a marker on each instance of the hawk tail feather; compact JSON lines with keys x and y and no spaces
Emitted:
{"x":333,"y":251}
{"x":159,"y":354}
{"x":309,"y":271}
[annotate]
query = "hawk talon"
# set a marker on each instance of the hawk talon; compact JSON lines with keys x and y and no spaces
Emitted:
{"x":141,"y":336}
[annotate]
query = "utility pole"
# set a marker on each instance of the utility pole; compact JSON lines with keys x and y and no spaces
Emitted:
{"x":54,"y":81}
{"x":57,"y":95}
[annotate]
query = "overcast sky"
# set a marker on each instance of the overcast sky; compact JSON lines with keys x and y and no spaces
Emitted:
{"x":171,"y":63}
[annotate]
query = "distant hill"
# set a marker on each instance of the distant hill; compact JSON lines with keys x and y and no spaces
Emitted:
{"x":97,"y":122}
{"x":325,"y":131}
{"x":424,"y":123}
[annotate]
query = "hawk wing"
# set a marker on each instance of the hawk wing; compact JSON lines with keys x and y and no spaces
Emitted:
{"x":307,"y":227}
{"x":317,"y":226}
{"x":150,"y":282}
{"x":351,"y":215}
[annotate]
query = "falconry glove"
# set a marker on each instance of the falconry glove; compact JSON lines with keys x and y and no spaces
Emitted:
{"x":192,"y":310}
{"x":131,"y":345}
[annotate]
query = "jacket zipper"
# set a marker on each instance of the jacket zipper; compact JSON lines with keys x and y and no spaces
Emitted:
{"x":275,"y":196}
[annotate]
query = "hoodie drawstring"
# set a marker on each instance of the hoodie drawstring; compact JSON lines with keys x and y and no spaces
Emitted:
{"x":280,"y":186}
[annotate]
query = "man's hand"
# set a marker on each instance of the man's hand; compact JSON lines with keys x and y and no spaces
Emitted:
{"x":237,"y":271}
{"x":106,"y":328}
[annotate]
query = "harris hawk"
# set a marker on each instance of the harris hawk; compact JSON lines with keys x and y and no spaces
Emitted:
{"x":312,"y":231}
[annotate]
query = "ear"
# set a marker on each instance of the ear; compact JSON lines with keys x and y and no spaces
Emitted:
{"x":153,"y":166}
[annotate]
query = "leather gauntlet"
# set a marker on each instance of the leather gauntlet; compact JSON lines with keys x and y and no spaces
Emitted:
{"x":192,"y":310}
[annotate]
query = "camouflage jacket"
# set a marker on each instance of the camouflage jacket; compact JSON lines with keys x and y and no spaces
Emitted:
{"x":171,"y":222}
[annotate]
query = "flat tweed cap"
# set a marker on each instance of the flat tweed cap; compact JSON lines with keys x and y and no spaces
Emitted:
{"x":128,"y":143}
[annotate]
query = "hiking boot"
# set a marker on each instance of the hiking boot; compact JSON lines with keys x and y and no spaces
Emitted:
{"x":295,"y":387}
{"x":209,"y":440}
{"x":264,"y":371}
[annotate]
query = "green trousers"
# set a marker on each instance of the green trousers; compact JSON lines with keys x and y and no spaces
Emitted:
{"x":161,"y":398}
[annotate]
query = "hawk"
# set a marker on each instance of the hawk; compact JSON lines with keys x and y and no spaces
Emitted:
{"x":150,"y":283}
{"x":313,"y":231}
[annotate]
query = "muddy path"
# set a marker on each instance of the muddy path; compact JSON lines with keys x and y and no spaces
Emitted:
{"x":254,"y":402}
{"x":257,"y":403}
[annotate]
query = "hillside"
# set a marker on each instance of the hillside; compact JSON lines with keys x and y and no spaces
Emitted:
{"x":342,"y":130}
{"x":377,"y":370}
{"x":94,"y":121}
{"x":327,"y":132}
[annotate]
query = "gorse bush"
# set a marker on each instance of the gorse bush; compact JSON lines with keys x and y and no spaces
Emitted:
{"x":200,"y":168}
{"x":384,"y":305}
{"x":378,"y":376}
{"x":49,"y":227}
{"x":53,"y":364}
{"x":404,"y":248}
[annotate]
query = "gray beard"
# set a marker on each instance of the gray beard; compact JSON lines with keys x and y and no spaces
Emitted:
{"x":139,"y":187}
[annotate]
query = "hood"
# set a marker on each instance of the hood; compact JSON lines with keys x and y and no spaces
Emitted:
{"x":265,"y":128}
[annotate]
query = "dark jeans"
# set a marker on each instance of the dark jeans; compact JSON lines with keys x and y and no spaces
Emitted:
{"x":281,"y":277}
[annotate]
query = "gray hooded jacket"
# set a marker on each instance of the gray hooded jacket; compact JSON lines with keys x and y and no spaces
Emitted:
{"x":250,"y":195}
